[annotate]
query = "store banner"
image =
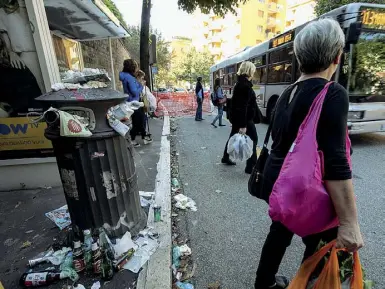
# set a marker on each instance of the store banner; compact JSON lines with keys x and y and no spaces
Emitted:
{"x":17,"y":133}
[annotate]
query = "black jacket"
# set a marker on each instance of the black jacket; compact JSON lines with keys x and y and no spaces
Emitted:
{"x":244,"y":103}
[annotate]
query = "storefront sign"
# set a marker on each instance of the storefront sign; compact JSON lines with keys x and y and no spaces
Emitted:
{"x":16,"y":133}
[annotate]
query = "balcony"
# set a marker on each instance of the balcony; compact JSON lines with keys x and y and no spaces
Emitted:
{"x":271,"y":22}
{"x":216,"y":25}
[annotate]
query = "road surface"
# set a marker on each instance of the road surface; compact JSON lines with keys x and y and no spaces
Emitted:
{"x":229,"y":228}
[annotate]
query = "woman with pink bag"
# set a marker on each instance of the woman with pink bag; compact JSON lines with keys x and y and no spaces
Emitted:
{"x":307,"y":178}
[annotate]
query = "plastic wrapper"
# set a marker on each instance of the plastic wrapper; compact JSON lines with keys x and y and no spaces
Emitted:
{"x":240,"y":147}
{"x":61,"y":217}
{"x":184,"y":203}
{"x":147,"y":247}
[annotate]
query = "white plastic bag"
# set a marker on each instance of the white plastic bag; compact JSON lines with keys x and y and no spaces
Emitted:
{"x":150,"y":99}
{"x":240,"y":147}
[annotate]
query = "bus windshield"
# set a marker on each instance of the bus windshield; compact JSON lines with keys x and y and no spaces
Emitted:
{"x":367,"y":78}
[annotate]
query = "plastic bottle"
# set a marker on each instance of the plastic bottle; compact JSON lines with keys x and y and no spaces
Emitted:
{"x":40,"y":278}
{"x":88,"y":250}
{"x":96,"y":258}
{"x":68,"y":262}
{"x":78,"y":255}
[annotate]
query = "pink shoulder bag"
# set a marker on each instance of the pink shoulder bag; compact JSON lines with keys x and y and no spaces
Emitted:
{"x":299,"y":199}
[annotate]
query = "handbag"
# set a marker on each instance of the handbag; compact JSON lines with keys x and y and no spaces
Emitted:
{"x":257,"y":177}
{"x":299,"y":199}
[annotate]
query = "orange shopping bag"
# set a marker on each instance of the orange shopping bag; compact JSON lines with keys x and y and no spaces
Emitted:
{"x":330,"y":275}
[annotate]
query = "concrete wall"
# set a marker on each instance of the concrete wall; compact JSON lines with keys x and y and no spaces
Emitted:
{"x":96,"y":55}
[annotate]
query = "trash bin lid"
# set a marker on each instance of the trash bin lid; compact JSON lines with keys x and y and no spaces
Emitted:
{"x":89,"y":95}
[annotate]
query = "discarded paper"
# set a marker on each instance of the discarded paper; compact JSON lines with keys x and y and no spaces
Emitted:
{"x":60,"y":217}
{"x":184,"y":203}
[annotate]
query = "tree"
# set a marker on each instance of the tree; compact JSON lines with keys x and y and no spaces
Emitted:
{"x":220,"y":7}
{"x":324,"y":6}
{"x":145,"y":39}
{"x":194,"y":64}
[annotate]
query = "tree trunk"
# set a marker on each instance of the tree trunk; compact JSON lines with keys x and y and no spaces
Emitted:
{"x":145,"y":39}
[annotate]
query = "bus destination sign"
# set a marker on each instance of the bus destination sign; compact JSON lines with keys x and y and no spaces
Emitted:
{"x":281,"y":40}
{"x":373,"y":18}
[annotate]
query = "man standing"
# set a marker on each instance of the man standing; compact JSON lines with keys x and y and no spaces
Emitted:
{"x":199,"y":95}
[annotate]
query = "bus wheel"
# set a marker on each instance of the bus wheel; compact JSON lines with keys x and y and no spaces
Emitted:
{"x":270,"y":107}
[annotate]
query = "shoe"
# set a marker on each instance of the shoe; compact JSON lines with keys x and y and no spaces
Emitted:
{"x":228,"y":162}
{"x":147,"y":140}
{"x":281,"y":282}
{"x":222,"y":125}
{"x":214,"y":125}
{"x":135,"y":144}
{"x":198,"y":119}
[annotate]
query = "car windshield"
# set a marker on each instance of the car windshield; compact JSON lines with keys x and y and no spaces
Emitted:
{"x":367,"y":76}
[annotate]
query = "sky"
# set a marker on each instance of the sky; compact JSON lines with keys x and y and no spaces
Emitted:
{"x":165,"y":16}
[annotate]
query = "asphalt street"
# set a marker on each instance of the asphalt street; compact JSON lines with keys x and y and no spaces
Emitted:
{"x":229,"y":228}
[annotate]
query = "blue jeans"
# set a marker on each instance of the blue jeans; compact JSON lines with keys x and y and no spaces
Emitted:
{"x":219,"y":115}
{"x":198,"y":115}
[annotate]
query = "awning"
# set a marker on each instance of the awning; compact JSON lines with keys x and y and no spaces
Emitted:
{"x":83,"y":20}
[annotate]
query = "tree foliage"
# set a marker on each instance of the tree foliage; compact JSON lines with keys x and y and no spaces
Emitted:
{"x":194,"y":64}
{"x":324,"y":6}
{"x":219,"y":7}
{"x":111,"y":5}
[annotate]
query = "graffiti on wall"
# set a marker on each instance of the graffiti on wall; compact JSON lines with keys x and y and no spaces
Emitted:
{"x":21,"y":81}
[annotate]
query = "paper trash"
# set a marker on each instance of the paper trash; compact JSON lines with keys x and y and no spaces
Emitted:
{"x":61,"y":217}
{"x":147,"y":247}
{"x":124,"y":245}
{"x":183,"y":203}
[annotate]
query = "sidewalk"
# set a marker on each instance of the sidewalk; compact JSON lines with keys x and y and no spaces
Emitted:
{"x":22,"y":219}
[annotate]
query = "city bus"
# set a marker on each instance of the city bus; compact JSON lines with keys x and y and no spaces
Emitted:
{"x":361,"y":72}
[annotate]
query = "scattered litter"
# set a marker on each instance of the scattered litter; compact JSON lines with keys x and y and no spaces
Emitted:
{"x":96,"y":285}
{"x":174,"y":215}
{"x":46,"y":187}
{"x":26,"y":244}
{"x":40,"y":258}
{"x":144,"y":202}
{"x":185,"y":285}
{"x":157,"y":213}
{"x":17,"y":205}
{"x":10,"y":242}
{"x":183,"y":203}
{"x":177,"y":154}
{"x":218,"y":191}
{"x":186,"y":184}
{"x":175,"y":183}
{"x":29,"y":232}
{"x":97,"y":155}
{"x":215,"y":285}
{"x":58,"y":257}
{"x":177,"y":253}
{"x":147,"y":247}
{"x":60,"y":217}
{"x":203,"y":148}
{"x":146,"y":194}
{"x":191,"y":274}
{"x":124,"y":245}
{"x":178,"y":276}
{"x":80,"y":286}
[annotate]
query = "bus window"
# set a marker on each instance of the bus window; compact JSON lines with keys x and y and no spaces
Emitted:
{"x":288,"y":73}
{"x":277,"y":73}
{"x":235,"y":78}
{"x":260,"y":75}
{"x":281,"y":55}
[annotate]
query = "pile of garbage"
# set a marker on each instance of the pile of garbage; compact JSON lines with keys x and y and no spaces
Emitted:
{"x":85,"y":79}
{"x":92,"y":254}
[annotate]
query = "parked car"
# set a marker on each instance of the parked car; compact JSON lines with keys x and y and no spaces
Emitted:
{"x":180,"y":90}
{"x":162,"y":93}
{"x":206,"y":92}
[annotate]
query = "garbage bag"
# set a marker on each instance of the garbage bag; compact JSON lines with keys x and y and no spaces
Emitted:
{"x":330,"y":275}
{"x":240,"y":147}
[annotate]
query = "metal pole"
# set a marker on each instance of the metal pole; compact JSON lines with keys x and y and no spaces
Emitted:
{"x":112,"y":64}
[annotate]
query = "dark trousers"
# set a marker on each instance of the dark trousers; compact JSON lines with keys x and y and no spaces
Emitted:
{"x":138,"y":124}
{"x":198,"y":115}
{"x":251,"y":131}
{"x":278,"y":239}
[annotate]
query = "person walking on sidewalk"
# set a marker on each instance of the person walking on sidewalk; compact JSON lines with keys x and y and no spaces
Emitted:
{"x":133,"y":88}
{"x":243,"y":112}
{"x":220,"y":99}
{"x":199,"y":95}
{"x":318,"y":48}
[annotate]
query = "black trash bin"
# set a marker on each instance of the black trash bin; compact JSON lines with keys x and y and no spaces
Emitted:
{"x":97,"y":172}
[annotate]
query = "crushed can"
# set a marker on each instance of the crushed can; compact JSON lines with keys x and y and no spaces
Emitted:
{"x":157,"y":213}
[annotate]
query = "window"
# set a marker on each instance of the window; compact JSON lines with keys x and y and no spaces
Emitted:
{"x":260,"y":75}
{"x":281,"y":73}
{"x":262,"y":1}
{"x":261,"y":13}
{"x":260,"y":60}
{"x":281,"y":55}
{"x":260,"y":28}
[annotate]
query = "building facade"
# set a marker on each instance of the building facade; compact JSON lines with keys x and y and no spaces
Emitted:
{"x":253,"y":23}
{"x":299,"y":12}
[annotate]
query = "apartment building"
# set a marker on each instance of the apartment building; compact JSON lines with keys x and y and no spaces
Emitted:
{"x":299,"y":12}
{"x":254,"y":22}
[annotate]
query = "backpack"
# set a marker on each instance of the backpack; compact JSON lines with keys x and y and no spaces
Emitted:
{"x":214,"y":98}
{"x":299,"y":199}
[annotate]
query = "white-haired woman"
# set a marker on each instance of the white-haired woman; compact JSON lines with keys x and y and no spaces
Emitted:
{"x":318,"y":48}
{"x":243,"y":112}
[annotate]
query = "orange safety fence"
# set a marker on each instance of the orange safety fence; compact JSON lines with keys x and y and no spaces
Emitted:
{"x":180,"y":104}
